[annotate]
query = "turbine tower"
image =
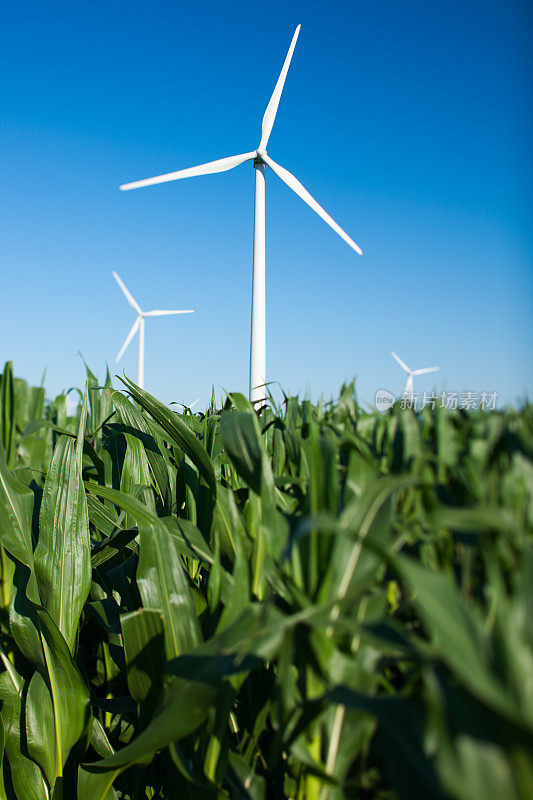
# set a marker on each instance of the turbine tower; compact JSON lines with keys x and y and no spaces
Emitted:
{"x":410,"y":374}
{"x":260,"y":160}
{"x":138,"y":325}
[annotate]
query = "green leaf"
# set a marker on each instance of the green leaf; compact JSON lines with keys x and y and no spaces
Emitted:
{"x":188,"y":539}
{"x":112,"y":545}
{"x":177,"y":430}
{"x":474,"y":520}
{"x":163,"y":585}
{"x":7,"y":412}
{"x":96,"y":785}
{"x":16,"y":509}
{"x":62,"y":555}
{"x":457,"y":635}
{"x":2,"y":747}
{"x":183,"y":708}
{"x":28,"y":780}
{"x":130,"y":504}
{"x":136,"y":472}
{"x":68,"y":693}
{"x":137,"y":425}
{"x":99,"y":740}
{"x":369,"y":517}
{"x":40,"y":728}
{"x":242,"y":441}
{"x":103,"y":517}
{"x":142,"y":634}
{"x":412,"y":773}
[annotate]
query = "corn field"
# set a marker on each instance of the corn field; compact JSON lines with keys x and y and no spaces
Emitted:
{"x":309,"y":601}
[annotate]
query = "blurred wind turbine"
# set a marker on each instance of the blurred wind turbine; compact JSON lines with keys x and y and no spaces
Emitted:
{"x":138,"y":325}
{"x":410,"y":374}
{"x":260,"y":160}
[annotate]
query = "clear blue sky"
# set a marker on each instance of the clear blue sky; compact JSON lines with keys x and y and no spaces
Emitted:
{"x":410,"y":122}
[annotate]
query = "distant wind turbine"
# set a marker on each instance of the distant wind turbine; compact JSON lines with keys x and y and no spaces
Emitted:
{"x":260,"y":159}
{"x":411,"y":373}
{"x":138,"y":325}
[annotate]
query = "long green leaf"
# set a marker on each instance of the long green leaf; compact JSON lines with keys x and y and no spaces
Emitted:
{"x":16,"y":509}
{"x":28,"y":780}
{"x":177,"y":430}
{"x":67,"y":690}
{"x":62,"y":555}
{"x":457,"y":635}
{"x":7,"y":412}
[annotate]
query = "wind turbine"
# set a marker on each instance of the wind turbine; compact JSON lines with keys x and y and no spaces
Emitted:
{"x":410,"y":374}
{"x":260,"y":160}
{"x":138,"y":325}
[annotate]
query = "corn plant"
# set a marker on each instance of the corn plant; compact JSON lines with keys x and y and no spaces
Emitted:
{"x":307,"y":601}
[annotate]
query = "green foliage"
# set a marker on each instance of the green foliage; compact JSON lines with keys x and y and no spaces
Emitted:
{"x":312,"y":603}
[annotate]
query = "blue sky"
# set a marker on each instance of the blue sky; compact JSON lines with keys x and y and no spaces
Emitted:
{"x":410,"y":122}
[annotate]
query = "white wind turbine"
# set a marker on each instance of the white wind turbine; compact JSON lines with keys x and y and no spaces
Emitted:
{"x":260,"y":159}
{"x":138,"y":325}
{"x":408,"y":391}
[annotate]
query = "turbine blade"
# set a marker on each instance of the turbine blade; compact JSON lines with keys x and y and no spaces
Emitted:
{"x":129,"y":297}
{"x":221,"y":165}
{"x":129,"y":337}
{"x":294,"y":184}
{"x":425,"y":370}
{"x":402,"y":364}
{"x":158,"y":313}
{"x":272,"y":107}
